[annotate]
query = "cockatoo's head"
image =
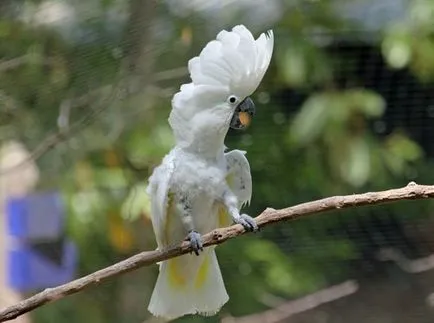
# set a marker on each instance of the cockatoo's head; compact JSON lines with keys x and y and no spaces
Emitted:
{"x":224,"y":75}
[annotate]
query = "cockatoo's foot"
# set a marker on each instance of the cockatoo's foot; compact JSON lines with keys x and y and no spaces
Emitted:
{"x":247,"y":222}
{"x":196,"y":241}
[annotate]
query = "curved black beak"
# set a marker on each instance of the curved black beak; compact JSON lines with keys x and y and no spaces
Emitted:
{"x":243,"y":114}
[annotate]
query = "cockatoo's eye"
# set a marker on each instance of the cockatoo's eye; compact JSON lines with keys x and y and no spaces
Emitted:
{"x":232,"y":99}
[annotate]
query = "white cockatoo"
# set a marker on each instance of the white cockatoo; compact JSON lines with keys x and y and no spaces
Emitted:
{"x":199,"y":187}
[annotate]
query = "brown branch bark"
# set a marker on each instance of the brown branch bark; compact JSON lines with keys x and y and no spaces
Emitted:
{"x":411,"y":192}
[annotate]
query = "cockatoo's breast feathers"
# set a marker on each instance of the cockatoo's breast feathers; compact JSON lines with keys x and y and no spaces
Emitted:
{"x":234,"y":60}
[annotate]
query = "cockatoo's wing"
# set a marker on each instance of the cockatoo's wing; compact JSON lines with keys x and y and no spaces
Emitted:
{"x":239,"y":178}
{"x":159,"y":192}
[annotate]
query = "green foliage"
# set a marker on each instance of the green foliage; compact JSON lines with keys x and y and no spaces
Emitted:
{"x":325,"y":147}
{"x":410,"y":42}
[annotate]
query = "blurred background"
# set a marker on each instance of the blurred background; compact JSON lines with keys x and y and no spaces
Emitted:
{"x":347,"y":106}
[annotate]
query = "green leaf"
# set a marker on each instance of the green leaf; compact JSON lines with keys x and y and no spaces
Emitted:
{"x":142,"y":145}
{"x":397,"y":48}
{"x":111,"y":177}
{"x":281,"y":272}
{"x":310,"y":121}
{"x":401,"y":146}
{"x":136,"y":204}
{"x":356,"y":168}
{"x":366,"y":101}
{"x":295,"y":69}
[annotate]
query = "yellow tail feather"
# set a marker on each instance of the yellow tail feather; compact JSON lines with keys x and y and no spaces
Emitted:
{"x":202,"y":273}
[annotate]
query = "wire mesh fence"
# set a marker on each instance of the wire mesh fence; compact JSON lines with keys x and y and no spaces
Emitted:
{"x":346,"y":106}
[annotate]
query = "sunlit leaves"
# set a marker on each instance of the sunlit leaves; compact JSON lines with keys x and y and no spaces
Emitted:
{"x":365,"y":101}
{"x":150,"y":145}
{"x":398,"y":151}
{"x":333,"y":109}
{"x":137,"y":203}
{"x":302,"y":64}
{"x":309,"y":123}
{"x":295,"y":273}
{"x":281,"y":273}
{"x":422,"y":12}
{"x":397,"y":49}
{"x":410,"y":42}
{"x":355,"y":168}
{"x":337,"y":121}
{"x":400,"y":145}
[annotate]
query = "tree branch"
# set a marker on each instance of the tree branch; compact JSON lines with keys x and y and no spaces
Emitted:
{"x":411,"y":192}
{"x":290,"y":308}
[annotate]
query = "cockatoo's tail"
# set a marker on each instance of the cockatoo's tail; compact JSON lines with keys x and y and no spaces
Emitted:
{"x":199,"y":187}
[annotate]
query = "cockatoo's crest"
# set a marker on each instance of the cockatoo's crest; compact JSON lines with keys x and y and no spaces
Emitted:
{"x":232,"y":64}
{"x":235,"y":60}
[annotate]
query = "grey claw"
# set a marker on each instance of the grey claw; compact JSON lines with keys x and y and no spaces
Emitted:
{"x":247,"y":222}
{"x":195,"y":241}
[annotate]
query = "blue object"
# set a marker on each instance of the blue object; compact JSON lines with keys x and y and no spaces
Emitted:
{"x":28,"y":270}
{"x":38,"y":254}
{"x":39,"y":216}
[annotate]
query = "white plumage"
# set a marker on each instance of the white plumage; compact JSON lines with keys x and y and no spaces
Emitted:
{"x":233,"y":63}
{"x":198,"y":186}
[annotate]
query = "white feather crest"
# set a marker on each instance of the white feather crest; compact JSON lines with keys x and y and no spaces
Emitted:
{"x":233,"y":63}
{"x":235,"y":60}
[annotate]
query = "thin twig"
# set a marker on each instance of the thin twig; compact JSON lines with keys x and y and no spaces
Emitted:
{"x":290,"y":308}
{"x":412,"y":266}
{"x":411,"y":192}
{"x":171,"y":74}
{"x":6,"y":65}
{"x":118,"y":92}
